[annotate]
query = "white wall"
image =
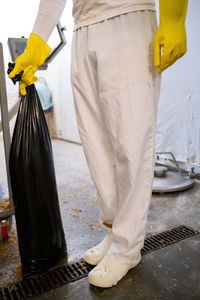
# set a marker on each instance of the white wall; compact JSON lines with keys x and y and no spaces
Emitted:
{"x":179,"y":108}
{"x":178,"y":127}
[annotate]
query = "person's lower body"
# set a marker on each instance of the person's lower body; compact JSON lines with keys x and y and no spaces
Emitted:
{"x":116,"y":91}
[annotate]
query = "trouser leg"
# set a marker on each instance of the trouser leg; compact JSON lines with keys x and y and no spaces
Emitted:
{"x":95,"y":140}
{"x":129,"y":91}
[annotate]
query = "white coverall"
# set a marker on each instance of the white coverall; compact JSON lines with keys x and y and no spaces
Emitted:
{"x":116,"y":91}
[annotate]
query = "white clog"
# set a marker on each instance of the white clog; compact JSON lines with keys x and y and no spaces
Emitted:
{"x":94,"y":255}
{"x":109,"y":271}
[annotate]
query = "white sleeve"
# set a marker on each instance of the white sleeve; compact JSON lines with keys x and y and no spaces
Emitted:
{"x":49,"y":13}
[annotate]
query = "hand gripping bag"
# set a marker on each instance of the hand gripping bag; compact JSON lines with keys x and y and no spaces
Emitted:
{"x":39,"y":226}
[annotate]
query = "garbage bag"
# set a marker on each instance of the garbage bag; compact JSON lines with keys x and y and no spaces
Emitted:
{"x":38,"y":220}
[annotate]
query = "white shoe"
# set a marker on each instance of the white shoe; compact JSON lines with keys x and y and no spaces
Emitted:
{"x":108,"y":272}
{"x":94,"y":255}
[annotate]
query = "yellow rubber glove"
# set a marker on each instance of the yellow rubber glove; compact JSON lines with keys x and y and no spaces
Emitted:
{"x":34,"y":55}
{"x":170,"y":40}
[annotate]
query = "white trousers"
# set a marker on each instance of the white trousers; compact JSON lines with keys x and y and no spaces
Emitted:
{"x":116,"y":91}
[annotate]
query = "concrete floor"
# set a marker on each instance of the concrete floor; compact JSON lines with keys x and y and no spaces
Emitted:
{"x":171,"y":273}
{"x":77,"y":196}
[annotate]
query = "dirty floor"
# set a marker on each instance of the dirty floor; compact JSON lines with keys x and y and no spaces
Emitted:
{"x":169,"y":273}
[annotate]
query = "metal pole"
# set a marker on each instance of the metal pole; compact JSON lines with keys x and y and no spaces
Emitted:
{"x":6,"y":129}
{"x":53,"y":54}
{"x":12,"y":112}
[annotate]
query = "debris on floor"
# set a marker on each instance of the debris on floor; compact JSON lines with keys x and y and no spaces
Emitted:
{"x":93,"y":197}
{"x":10,"y":272}
{"x":11,"y":275}
{"x":84,"y":185}
{"x":7,"y":246}
{"x":76,"y":212}
{"x":65,"y":201}
{"x":94,"y":226}
{"x":4,"y":204}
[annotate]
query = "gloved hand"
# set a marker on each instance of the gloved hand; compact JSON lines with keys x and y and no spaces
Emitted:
{"x":170,"y":40}
{"x":34,"y":55}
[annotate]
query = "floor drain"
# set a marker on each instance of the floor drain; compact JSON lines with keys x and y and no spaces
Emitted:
{"x":167,"y":238}
{"x":36,"y":285}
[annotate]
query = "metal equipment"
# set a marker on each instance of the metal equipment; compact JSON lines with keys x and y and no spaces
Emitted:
{"x":7,"y":214}
{"x":169,"y":178}
{"x":16,"y":47}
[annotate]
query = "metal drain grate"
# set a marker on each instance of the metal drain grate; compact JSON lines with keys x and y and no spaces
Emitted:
{"x":167,"y":238}
{"x":36,"y":285}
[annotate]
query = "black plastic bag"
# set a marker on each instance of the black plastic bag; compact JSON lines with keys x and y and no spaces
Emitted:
{"x":39,"y":226}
